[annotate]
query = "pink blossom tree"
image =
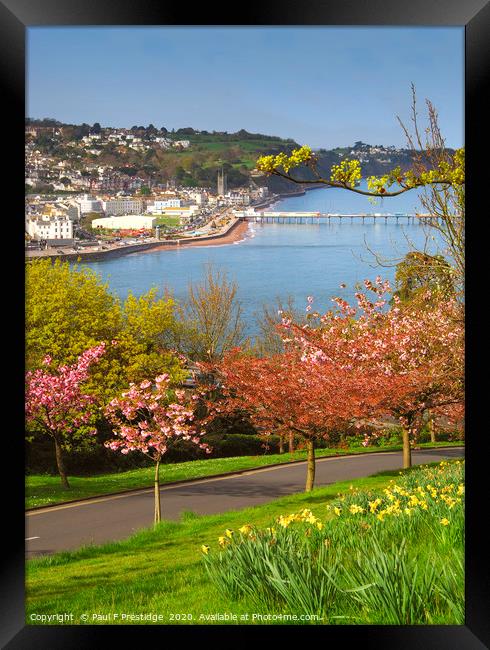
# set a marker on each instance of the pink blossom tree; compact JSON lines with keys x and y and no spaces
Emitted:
{"x":57,"y":405}
{"x":150,"y":418}
{"x":418,"y":347}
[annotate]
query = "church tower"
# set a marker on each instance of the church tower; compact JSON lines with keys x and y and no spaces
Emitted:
{"x":222,"y":184}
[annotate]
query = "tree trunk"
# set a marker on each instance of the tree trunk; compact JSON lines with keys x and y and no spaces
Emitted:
{"x":291,"y":442}
{"x":310,"y":475}
{"x":61,"y":465}
{"x":432,"y":428}
{"x":281,"y":444}
{"x":158,"y":510}
{"x":407,"y":452}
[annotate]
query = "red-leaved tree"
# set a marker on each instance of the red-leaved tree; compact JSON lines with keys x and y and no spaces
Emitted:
{"x":415,"y":351}
{"x":286,"y":393}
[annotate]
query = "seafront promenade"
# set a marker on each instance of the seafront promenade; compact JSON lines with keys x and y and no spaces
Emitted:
{"x":230,"y":232}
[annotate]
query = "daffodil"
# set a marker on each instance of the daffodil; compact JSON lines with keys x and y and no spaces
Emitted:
{"x":355,"y":509}
{"x":205,"y":549}
{"x":373,"y":505}
{"x":245,"y":529}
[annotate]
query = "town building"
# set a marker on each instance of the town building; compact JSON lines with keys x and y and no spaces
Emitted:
{"x":199,"y":197}
{"x":237,"y":198}
{"x":129,"y":221}
{"x":47,"y":227}
{"x":159,"y":206}
{"x":123,"y":205}
{"x":89,"y":204}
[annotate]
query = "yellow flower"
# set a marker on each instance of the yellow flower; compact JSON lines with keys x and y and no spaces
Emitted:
{"x":205,"y":549}
{"x":337,"y":511}
{"x":445,"y":522}
{"x":222,"y":541}
{"x":319,"y":525}
{"x":374,"y":504}
{"x":284,"y":521}
{"x":245,"y":529}
{"x":354,"y":509}
{"x":229,"y":533}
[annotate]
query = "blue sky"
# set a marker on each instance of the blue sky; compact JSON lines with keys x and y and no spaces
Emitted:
{"x":322,"y":86}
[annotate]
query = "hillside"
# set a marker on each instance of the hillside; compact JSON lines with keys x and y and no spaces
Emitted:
{"x":57,"y":152}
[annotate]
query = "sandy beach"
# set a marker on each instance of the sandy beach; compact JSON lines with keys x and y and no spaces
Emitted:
{"x":237,"y":233}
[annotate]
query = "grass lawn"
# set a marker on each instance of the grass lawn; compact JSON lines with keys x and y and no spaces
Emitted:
{"x":43,"y":490}
{"x":167,"y":221}
{"x":158,"y":570}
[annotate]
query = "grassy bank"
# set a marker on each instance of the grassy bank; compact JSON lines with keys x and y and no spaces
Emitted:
{"x":160,"y":571}
{"x":393,"y":557}
{"x":43,"y":490}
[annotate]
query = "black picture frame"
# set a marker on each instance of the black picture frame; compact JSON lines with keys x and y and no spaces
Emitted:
{"x":18,"y":15}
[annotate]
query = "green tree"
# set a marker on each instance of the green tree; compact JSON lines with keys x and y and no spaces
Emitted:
{"x":419,"y":271}
{"x":70,"y":309}
{"x":87,"y":218}
{"x":146,"y":335}
{"x":210,"y":319}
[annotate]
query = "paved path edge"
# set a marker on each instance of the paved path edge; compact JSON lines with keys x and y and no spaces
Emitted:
{"x":234,"y":473}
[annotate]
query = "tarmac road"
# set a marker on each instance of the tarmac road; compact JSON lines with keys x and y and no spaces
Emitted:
{"x":110,"y":518}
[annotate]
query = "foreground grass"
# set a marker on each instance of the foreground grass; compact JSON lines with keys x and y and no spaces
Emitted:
{"x":158,"y":571}
{"x":391,"y":557}
{"x":43,"y":490}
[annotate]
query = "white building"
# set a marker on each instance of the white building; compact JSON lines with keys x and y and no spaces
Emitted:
{"x":199,"y":197}
{"x":89,"y":204}
{"x":236,"y":198}
{"x":122,"y":206}
{"x":165,"y":143}
{"x":129,"y":221}
{"x":160,"y":206}
{"x":50,"y":228}
{"x":184,"y":212}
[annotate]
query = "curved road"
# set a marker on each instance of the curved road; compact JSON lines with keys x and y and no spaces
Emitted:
{"x":110,"y":518}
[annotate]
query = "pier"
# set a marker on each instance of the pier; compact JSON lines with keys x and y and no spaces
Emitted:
{"x":327,"y":217}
